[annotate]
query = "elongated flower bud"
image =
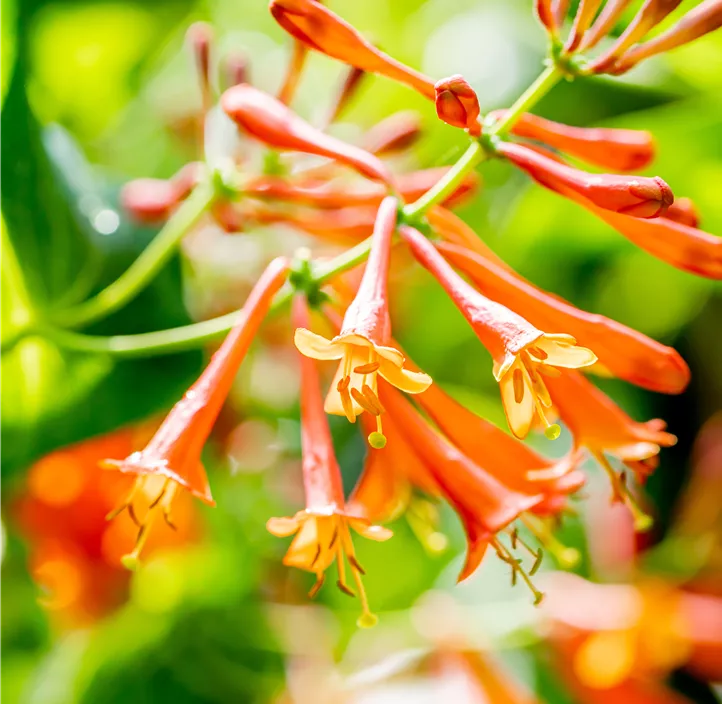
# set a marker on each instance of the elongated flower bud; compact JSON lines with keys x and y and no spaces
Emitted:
{"x":545,"y":15}
{"x":560,"y":9}
{"x":293,"y":73}
{"x":703,"y":19}
{"x":322,"y":30}
{"x":650,"y":15}
{"x":349,"y":88}
{"x":683,"y":211}
{"x":582,"y":20}
{"x":200,"y":38}
{"x":621,"y":351}
{"x":639,"y":196}
{"x":617,"y":149}
{"x":268,"y":120}
{"x":236,"y":69}
{"x":457,"y":104}
{"x":604,"y":24}
{"x":395,"y":133}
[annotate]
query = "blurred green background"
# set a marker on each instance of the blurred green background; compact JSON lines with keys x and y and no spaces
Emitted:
{"x":95,"y":93}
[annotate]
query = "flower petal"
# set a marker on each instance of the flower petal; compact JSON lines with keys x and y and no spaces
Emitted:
{"x":316,"y":346}
{"x":561,"y":353}
{"x":282,"y":527}
{"x":370,"y":531}
{"x":404,"y":379}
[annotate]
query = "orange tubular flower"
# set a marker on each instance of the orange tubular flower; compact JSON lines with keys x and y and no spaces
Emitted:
{"x":704,"y":18}
{"x":457,"y":104}
{"x":545,"y":14}
{"x":322,"y":530}
{"x":621,"y":351}
{"x":270,"y":121}
{"x":582,"y":20}
{"x":322,"y":30}
{"x":508,"y":460}
{"x":618,"y":149}
{"x":604,"y":23}
{"x":637,"y":196}
{"x":650,"y":15}
{"x":602,"y":427}
{"x":522,"y":353}
{"x":484,"y":505}
{"x":395,"y":133}
{"x":172,"y":459}
{"x":363,"y":343}
{"x":680,"y":245}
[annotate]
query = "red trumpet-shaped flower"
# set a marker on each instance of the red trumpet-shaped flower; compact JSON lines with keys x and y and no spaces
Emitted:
{"x":582,"y":20}
{"x":363,"y":343}
{"x":621,"y":351}
{"x":701,"y":20}
{"x":319,"y":28}
{"x":639,"y":196}
{"x":270,"y":121}
{"x":172,"y":459}
{"x":522,"y":353}
{"x":618,"y":149}
{"x":457,"y":104}
{"x":483,"y":503}
{"x":600,"y":426}
{"x":322,"y":530}
{"x":649,"y":15}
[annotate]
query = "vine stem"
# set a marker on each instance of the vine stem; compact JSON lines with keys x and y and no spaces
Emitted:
{"x":146,"y":266}
{"x":160,"y":249}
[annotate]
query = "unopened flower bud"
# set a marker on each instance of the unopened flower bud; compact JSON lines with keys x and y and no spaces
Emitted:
{"x":545,"y":14}
{"x":457,"y":104}
{"x":683,"y":211}
{"x":617,"y":149}
{"x":395,"y":133}
{"x":236,"y":69}
{"x":349,"y":87}
{"x":270,"y":121}
{"x":703,"y":19}
{"x":582,"y":20}
{"x":320,"y":29}
{"x":637,"y":196}
{"x":200,"y":38}
{"x":649,"y":16}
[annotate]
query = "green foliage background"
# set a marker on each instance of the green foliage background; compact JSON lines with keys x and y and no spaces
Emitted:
{"x":84,"y":86}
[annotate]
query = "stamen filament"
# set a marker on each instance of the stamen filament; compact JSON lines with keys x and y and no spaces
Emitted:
{"x":565,"y":556}
{"x":517,"y":569}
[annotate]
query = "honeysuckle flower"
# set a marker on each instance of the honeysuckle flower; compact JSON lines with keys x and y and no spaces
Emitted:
{"x":522,"y":353}
{"x":320,"y":29}
{"x":397,"y":132}
{"x":267,"y":119}
{"x":604,"y":23}
{"x":621,"y":351}
{"x":582,"y":20}
{"x":351,"y":82}
{"x":683,"y":211}
{"x":701,"y":20}
{"x":610,"y":148}
{"x":638,"y":196}
{"x":171,"y":461}
{"x":650,"y":14}
{"x":152,"y":200}
{"x":457,"y":104}
{"x":545,"y":14}
{"x":560,"y":9}
{"x":322,"y":531}
{"x":680,"y":245}
{"x":600,"y":426}
{"x":507,"y":459}
{"x":484,"y":504}
{"x":363,"y":343}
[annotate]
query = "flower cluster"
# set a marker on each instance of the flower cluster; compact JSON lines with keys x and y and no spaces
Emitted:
{"x":542,"y":346}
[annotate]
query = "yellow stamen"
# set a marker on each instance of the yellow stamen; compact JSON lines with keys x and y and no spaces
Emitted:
{"x":565,"y":556}
{"x":361,"y":400}
{"x":316,"y":588}
{"x":516,"y":568}
{"x":551,"y":430}
{"x":373,"y":399}
{"x":367,"y":368}
{"x":642,"y":521}
{"x":367,"y":619}
{"x":518,"y":381}
{"x":538,"y":352}
{"x":347,"y":405}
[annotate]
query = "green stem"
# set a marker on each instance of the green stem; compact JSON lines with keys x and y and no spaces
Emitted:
{"x":198,"y":334}
{"x":146,"y":266}
{"x":531,"y":96}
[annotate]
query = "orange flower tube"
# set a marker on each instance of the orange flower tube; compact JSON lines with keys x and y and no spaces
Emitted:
{"x":604,"y":23}
{"x":484,"y":505}
{"x":522,"y":353}
{"x":621,"y":351}
{"x":319,"y":28}
{"x":683,"y":211}
{"x":270,"y":121}
{"x":395,"y":133}
{"x":363,"y":345}
{"x":638,"y":196}
{"x":701,"y":20}
{"x":321,"y":531}
{"x":610,"y":148}
{"x":582,"y":20}
{"x":174,"y":452}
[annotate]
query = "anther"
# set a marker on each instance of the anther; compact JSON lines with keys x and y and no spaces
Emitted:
{"x":367,"y":368}
{"x":347,"y":406}
{"x":317,"y":555}
{"x":355,"y":564}
{"x":363,"y":402}
{"x":373,"y":399}
{"x":538,"y":352}
{"x":537,"y":563}
{"x":518,"y":380}
{"x":565,"y":556}
{"x":642,"y":521}
{"x":345,"y":589}
{"x":333,"y":540}
{"x":316,"y":588}
{"x":343,"y":383}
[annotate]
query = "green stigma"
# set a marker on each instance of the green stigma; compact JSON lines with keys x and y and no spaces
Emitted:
{"x":377,"y":440}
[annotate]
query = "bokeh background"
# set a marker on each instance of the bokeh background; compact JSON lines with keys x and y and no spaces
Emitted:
{"x":95,"y":93}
